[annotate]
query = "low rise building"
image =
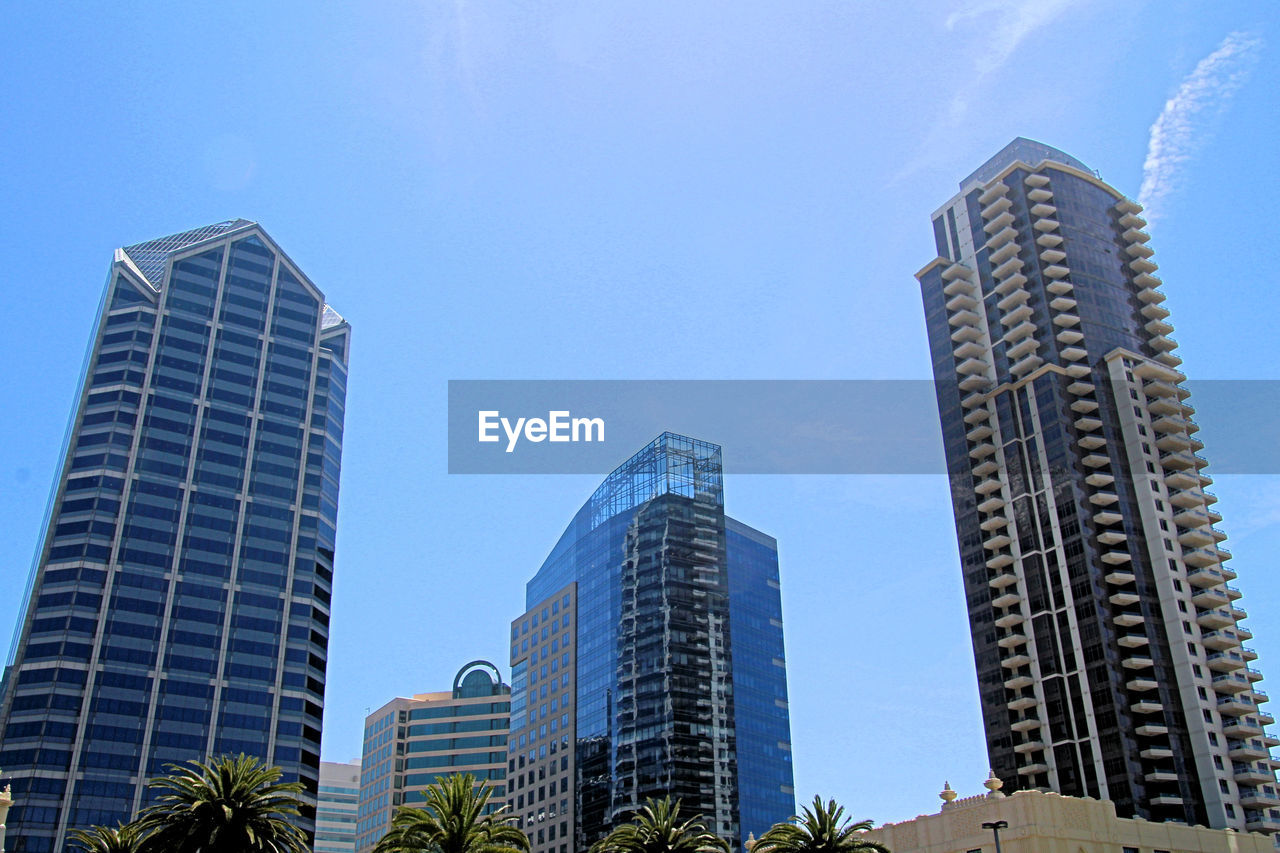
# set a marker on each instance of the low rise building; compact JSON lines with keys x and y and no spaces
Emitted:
{"x":1041,"y":822}
{"x":412,"y":741}
{"x":336,"y":804}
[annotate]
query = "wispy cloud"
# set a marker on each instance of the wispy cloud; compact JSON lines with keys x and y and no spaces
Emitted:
{"x":1007,"y":24}
{"x":989,"y":32}
{"x":1187,"y":117}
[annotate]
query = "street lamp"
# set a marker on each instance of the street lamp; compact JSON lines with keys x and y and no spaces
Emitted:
{"x":995,"y":826}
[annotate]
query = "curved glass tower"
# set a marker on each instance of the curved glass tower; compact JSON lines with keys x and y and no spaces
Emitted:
{"x":179,"y":605}
{"x":1108,"y":641}
{"x":650,"y":661}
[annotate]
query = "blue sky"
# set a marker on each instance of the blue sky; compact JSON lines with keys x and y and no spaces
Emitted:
{"x":632,"y":190}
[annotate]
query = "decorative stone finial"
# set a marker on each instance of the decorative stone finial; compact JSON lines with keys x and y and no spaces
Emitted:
{"x":947,"y":794}
{"x":750,"y":842}
{"x":993,"y":785}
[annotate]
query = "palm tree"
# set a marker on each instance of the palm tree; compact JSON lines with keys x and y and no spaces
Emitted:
{"x":453,"y":821}
{"x":125,"y":838}
{"x":654,"y":829}
{"x":234,"y":805}
{"x":822,"y":829}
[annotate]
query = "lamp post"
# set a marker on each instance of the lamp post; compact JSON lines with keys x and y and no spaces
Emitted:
{"x":995,"y":826}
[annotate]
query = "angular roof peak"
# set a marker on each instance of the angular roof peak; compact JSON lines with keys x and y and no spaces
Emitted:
{"x":150,"y":257}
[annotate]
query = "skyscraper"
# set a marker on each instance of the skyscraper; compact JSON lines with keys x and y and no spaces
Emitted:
{"x":1108,"y":643}
{"x":179,"y":602}
{"x":412,"y":741}
{"x":650,"y":661}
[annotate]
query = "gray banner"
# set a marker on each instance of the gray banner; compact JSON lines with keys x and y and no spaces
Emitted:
{"x":777,"y":426}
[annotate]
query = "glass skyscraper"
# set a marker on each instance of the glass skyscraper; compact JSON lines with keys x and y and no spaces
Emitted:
{"x":650,"y":661}
{"x":179,"y":602}
{"x":1110,"y":647}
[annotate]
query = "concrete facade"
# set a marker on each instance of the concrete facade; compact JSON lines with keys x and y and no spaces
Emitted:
{"x":1040,"y":822}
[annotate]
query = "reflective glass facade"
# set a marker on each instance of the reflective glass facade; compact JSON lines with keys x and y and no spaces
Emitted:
{"x":1107,"y":646}
{"x":657,"y":585}
{"x":179,"y":604}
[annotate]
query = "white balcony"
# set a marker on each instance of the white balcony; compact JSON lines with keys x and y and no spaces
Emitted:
{"x":1009,"y":620}
{"x":997,"y":541}
{"x":1119,"y":578}
{"x":1045,"y":225}
{"x":1005,"y":600}
{"x":1049,"y":240}
{"x":1088,"y":424}
{"x":1003,"y":580}
{"x":1146,"y":707}
{"x":1123,"y":599}
{"x":1000,"y":221}
{"x":1151,"y":730}
{"x":1150,"y":294}
{"x":986,"y":467}
{"x":1057,"y":271}
{"x":1196,"y":537}
{"x":1210,"y":598}
{"x":992,"y":193}
{"x":1007,"y":268}
{"x":1066,"y":320}
{"x":999,"y":561}
{"x":1012,"y":641}
{"x":1000,"y":203}
{"x":1023,"y":347}
{"x":1158,"y":327}
{"x":1039,"y":193}
{"x":1011,"y":282}
{"x":992,"y":504}
{"x":1022,"y":703}
{"x":1013,"y":300}
{"x":969,"y":332}
{"x":1139,"y":250}
{"x":1137,"y":662}
{"x":1217,"y":618}
{"x":1071,"y":336}
{"x":1091,"y":442}
{"x":1017,"y":315}
{"x":1103,"y":498}
{"x":1006,"y":249}
{"x":1155,"y":312}
{"x":1225,"y":661}
{"x":972,"y":365}
{"x":1132,"y":640}
{"x":964,"y":318}
{"x":1141,"y":265}
{"x":1128,"y":620}
{"x":1106,"y":517}
{"x":1037,"y":180}
{"x":1053,"y":256}
{"x":1084,"y":406}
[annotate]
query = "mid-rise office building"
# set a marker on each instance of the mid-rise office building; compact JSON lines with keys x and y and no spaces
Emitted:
{"x":650,"y":661}
{"x":179,"y":603}
{"x":412,"y":741}
{"x":1109,"y":643}
{"x":336,"y":806}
